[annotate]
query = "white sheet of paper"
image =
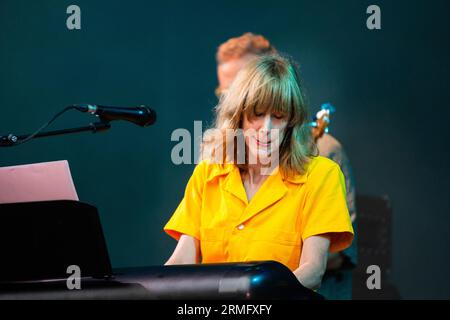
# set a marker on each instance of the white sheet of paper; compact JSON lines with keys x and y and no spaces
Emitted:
{"x":37,"y":182}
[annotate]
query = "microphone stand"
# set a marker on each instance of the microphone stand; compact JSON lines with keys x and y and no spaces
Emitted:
{"x":12,"y":140}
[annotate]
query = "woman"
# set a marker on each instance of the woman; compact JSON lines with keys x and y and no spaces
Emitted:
{"x":280,"y":202}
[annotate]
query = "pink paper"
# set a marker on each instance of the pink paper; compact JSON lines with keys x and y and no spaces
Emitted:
{"x":37,"y":182}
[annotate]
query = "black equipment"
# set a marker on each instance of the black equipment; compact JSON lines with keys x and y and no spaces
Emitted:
{"x":142,"y":116}
{"x":374,"y":236}
{"x":39,"y":240}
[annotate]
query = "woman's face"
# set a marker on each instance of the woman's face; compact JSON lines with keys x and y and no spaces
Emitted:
{"x":264,"y":133}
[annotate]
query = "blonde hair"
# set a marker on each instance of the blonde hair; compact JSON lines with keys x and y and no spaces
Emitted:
{"x":268,"y":83}
{"x":248,"y":43}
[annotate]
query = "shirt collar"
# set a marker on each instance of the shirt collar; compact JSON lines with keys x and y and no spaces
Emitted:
{"x":223,"y":169}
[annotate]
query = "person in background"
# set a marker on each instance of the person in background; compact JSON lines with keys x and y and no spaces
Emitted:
{"x":231,"y":57}
{"x":235,"y":53}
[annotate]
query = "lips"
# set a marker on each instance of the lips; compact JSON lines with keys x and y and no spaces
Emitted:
{"x":262,"y":143}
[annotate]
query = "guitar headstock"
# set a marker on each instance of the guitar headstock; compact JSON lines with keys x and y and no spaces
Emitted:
{"x":322,"y":120}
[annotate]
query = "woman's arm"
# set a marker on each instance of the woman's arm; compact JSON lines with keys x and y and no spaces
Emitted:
{"x":186,"y":251}
{"x":313,"y":261}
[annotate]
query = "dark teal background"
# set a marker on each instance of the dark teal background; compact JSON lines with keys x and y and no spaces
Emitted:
{"x":390,"y":87}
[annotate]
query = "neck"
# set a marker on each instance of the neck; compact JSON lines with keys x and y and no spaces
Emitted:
{"x":254,"y":174}
{"x":257,"y":172}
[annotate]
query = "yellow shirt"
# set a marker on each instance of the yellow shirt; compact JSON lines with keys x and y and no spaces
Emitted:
{"x":274,"y":224}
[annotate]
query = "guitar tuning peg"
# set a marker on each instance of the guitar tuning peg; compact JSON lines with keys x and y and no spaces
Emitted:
{"x":328,"y":106}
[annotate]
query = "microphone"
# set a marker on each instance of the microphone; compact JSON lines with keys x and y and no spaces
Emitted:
{"x":142,"y":116}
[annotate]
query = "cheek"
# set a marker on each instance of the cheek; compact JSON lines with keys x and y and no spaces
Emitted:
{"x":249,"y":125}
{"x":245,"y":124}
{"x":281,"y":130}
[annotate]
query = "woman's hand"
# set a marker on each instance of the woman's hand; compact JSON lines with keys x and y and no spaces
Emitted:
{"x":313,"y":261}
{"x":186,"y":251}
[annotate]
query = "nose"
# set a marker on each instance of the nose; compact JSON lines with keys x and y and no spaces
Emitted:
{"x":267,"y":124}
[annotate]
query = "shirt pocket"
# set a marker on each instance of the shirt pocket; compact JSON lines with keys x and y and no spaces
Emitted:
{"x":277,"y":245}
{"x":211,"y":245}
{"x":211,"y":234}
{"x":281,"y":237}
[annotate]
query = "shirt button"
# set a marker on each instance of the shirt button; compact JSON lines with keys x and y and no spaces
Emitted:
{"x":240,"y":227}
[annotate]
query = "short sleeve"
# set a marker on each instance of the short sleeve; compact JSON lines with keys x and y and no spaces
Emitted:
{"x":186,"y":218}
{"x":325,"y":209}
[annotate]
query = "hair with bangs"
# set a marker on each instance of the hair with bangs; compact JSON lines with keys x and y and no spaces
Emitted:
{"x":268,"y":83}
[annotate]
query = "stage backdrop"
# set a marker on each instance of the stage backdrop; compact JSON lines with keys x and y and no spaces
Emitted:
{"x":390,"y":87}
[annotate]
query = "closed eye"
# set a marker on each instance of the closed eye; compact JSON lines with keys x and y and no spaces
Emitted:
{"x":278,"y":116}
